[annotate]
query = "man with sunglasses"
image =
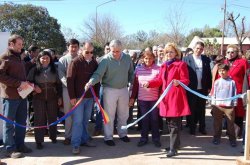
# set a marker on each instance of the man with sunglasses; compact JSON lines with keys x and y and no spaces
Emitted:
{"x":79,"y":72}
{"x":115,"y":71}
{"x":239,"y":73}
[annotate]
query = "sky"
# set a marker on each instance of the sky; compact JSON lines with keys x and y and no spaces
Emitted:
{"x":146,"y":15}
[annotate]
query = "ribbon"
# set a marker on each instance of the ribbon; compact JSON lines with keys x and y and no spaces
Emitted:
{"x":208,"y":97}
{"x":188,"y":89}
{"x":158,"y":101}
{"x":105,"y":116}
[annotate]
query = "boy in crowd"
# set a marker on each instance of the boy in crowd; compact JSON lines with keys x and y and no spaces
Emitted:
{"x":224,"y":87}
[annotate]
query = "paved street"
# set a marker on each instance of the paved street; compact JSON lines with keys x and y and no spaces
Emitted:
{"x":195,"y":150}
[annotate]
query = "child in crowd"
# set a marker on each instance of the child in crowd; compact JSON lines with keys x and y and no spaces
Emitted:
{"x":224,"y":87}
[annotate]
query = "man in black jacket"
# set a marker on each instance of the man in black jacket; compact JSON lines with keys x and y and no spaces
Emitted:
{"x":200,"y":81}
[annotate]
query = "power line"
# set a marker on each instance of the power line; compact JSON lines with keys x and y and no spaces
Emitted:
{"x":247,"y":7}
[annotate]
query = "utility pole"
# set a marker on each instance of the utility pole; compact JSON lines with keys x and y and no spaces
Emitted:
{"x":223,"y":29}
{"x":96,"y":25}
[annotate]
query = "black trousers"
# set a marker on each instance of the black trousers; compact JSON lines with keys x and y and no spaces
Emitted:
{"x":45,"y":113}
{"x":174,"y":126}
{"x":197,"y":106}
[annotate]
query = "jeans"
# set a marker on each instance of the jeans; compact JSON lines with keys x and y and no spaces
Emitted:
{"x":98,"y":120}
{"x":15,"y":110}
{"x":81,"y":118}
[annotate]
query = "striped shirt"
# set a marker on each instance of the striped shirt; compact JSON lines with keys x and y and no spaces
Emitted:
{"x":144,"y":74}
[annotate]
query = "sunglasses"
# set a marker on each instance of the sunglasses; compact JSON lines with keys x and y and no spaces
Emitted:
{"x":87,"y":52}
{"x":230,"y":52}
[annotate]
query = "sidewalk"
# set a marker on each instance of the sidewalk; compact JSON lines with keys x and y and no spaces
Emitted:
{"x":195,"y":150}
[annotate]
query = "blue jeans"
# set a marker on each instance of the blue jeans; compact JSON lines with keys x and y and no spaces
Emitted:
{"x":98,"y":120}
{"x":81,"y":118}
{"x":15,"y":110}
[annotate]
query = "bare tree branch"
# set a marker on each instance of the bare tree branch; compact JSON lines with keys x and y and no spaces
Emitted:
{"x":240,"y":32}
{"x":107,"y":29}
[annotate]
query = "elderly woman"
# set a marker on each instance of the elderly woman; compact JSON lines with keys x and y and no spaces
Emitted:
{"x":46,"y":96}
{"x":238,"y":72}
{"x":175,"y":104}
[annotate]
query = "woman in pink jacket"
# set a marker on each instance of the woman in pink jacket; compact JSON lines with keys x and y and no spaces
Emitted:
{"x":175,"y":104}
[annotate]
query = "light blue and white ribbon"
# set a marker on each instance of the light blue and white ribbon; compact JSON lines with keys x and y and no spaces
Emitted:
{"x":188,"y":89}
{"x":158,"y":101}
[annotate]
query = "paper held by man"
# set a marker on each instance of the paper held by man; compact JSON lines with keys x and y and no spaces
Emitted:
{"x":25,"y":92}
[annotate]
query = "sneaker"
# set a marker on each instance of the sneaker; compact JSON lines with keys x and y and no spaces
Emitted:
{"x":171,"y":153}
{"x":14,"y":154}
{"x":76,"y":150}
{"x":168,"y":148}
{"x":24,"y":149}
{"x":233,"y":143}
{"x":157,"y":144}
{"x":67,"y":141}
{"x":216,"y":141}
{"x":39,"y":146}
{"x":88,"y":144}
{"x":125,"y":139}
{"x":141,"y":143}
{"x":109,"y":142}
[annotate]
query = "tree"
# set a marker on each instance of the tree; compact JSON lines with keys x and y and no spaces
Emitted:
{"x":69,"y":34}
{"x":107,"y":29}
{"x":211,"y":32}
{"x":205,"y":32}
{"x":212,"y":48}
{"x":177,"y":24}
{"x":239,"y":30}
{"x":194,"y":32}
{"x":34,"y":24}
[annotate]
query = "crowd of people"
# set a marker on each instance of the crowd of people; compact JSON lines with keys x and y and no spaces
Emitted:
{"x":119,"y":79}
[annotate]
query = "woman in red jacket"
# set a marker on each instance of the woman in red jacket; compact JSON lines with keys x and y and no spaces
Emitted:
{"x":175,"y":104}
{"x":239,"y":73}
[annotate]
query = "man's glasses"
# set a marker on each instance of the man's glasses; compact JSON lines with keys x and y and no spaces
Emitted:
{"x":88,"y":52}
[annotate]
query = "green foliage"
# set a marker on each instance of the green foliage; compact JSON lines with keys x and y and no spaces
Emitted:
{"x":98,"y":50}
{"x":212,"y":48}
{"x":212,"y":32}
{"x":194,"y":32}
{"x":34,"y":24}
{"x":205,"y":32}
